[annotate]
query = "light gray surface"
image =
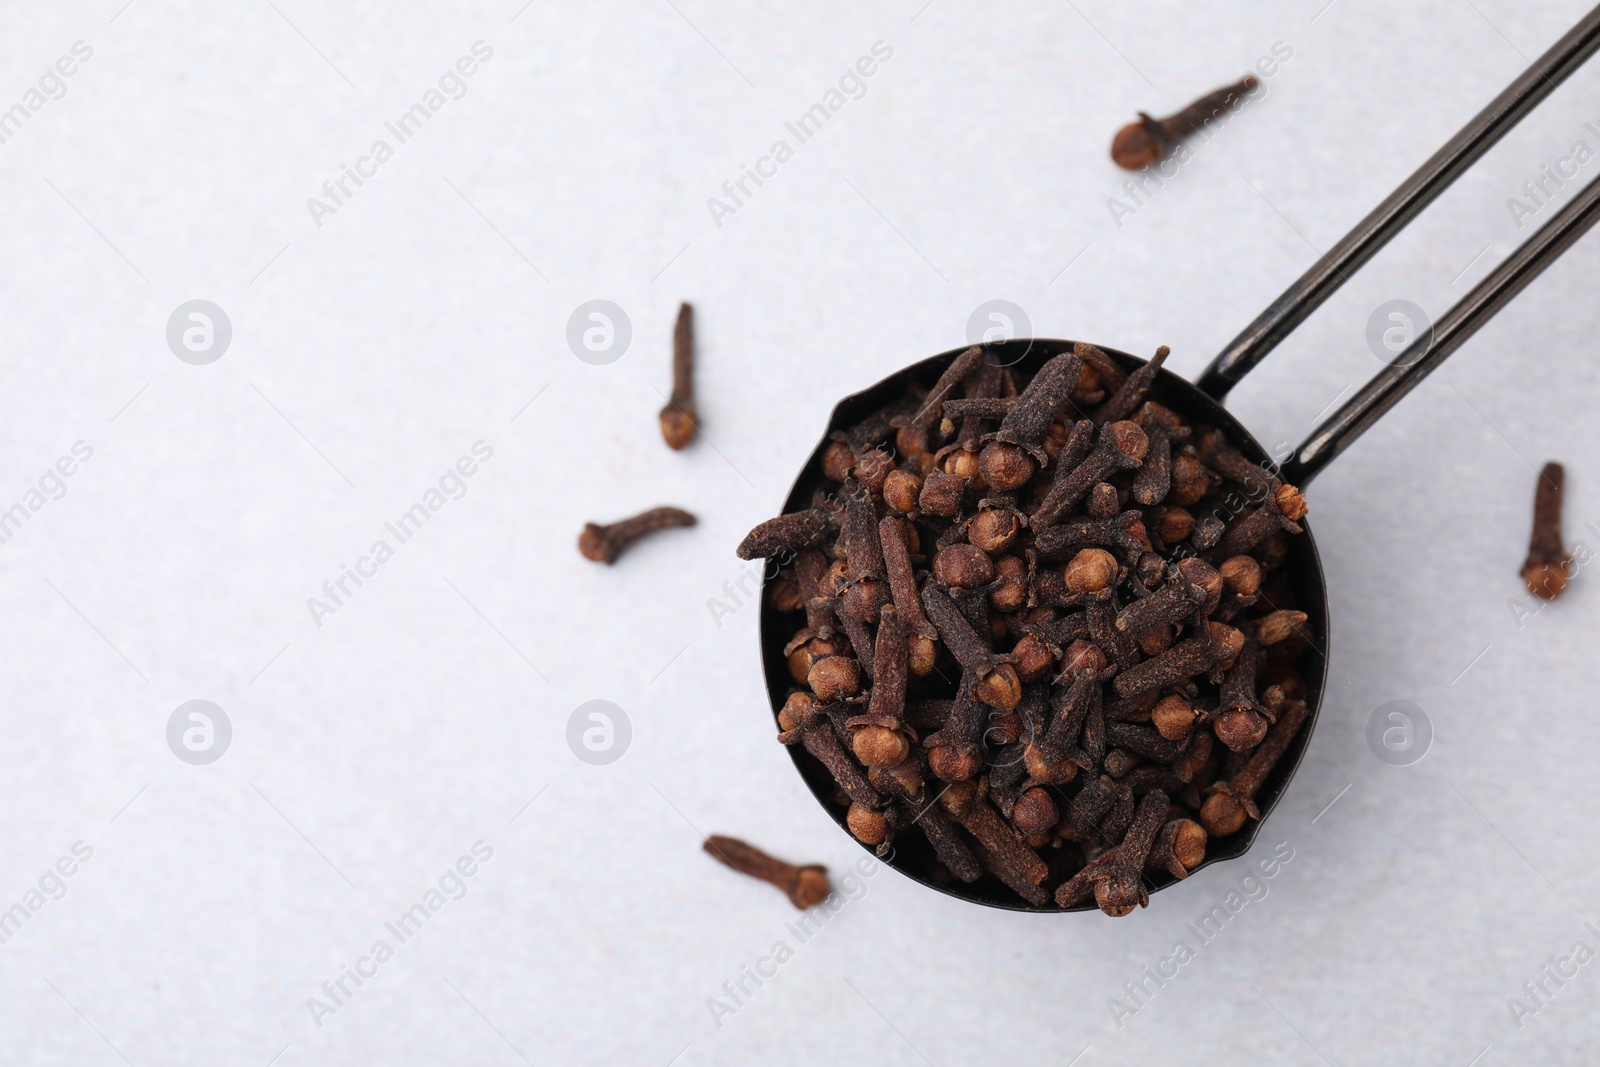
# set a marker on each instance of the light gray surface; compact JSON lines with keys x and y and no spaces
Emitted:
{"x":368,"y":754}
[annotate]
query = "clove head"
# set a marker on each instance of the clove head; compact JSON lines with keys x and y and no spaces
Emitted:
{"x":1241,"y":575}
{"x":1222,"y":814}
{"x":810,"y":887}
{"x":1120,"y":894}
{"x":834,"y":678}
{"x":1173,"y":718}
{"x":951,"y":764}
{"x":1090,"y":571}
{"x":993,"y":530}
{"x":1000,"y":688}
{"x":1240,"y":728}
{"x":1035,"y":812}
{"x":1032,"y":657}
{"x":799,"y":710}
{"x":900,"y":490}
{"x":678,"y":425}
{"x":879,"y":746}
{"x":868,"y":826}
{"x":941,"y":494}
{"x":1290,"y":502}
{"x":1006,"y":467}
{"x":864,"y":599}
{"x":1135,"y":146}
{"x":963,"y":566}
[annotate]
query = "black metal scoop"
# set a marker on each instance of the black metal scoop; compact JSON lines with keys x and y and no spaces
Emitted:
{"x":1202,"y":404}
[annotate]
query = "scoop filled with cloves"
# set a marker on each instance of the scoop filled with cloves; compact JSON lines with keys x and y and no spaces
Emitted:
{"x":1043,"y":626}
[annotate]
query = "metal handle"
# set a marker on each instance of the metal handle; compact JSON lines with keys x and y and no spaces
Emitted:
{"x":1459,"y":323}
{"x":1404,"y":204}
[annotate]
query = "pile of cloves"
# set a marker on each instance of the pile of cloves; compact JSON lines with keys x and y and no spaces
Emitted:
{"x":1045,"y":622}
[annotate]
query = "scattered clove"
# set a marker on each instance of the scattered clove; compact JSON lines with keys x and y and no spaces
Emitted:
{"x":679,"y":419}
{"x":1150,"y":140}
{"x":604,"y":544}
{"x":804,"y":886}
{"x":1548,"y":568}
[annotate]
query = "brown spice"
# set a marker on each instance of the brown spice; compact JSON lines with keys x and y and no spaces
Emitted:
{"x":603,"y":544}
{"x":1548,"y":567}
{"x":804,"y":886}
{"x":1150,"y":140}
{"x":679,"y":418}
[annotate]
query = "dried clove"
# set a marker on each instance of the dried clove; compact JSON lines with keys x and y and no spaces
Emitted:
{"x":1016,"y":451}
{"x":1126,"y":400}
{"x":786,"y":534}
{"x":1179,"y":848}
{"x":1000,"y":848}
{"x":804,"y":886}
{"x":679,"y":419}
{"x":603,"y":544}
{"x":1548,"y":567}
{"x":1121,"y":446}
{"x":1114,"y":877}
{"x":1231,"y":802}
{"x":1150,"y":140}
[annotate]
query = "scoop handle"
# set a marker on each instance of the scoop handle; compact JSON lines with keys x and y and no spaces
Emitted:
{"x":1325,"y":277}
{"x":1432,"y":348}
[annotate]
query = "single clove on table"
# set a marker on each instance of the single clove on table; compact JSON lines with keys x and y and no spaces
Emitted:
{"x":1549,"y":567}
{"x":679,"y":418}
{"x":1044,"y":622}
{"x":603,"y":544}
{"x":1150,"y":140}
{"x":805,"y":886}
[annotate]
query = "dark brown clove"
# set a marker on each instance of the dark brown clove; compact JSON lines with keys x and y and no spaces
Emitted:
{"x":916,"y":428}
{"x":1548,"y":567}
{"x":1001,"y":849}
{"x":1125,"y":532}
{"x":1108,"y":370}
{"x":1150,"y":140}
{"x":1280,"y":512}
{"x":1126,"y":400}
{"x":1195,"y":655}
{"x":1193,"y":581}
{"x":1179,"y":848}
{"x":1009,"y":461}
{"x":1114,"y":876}
{"x":786,"y":534}
{"x":1154,"y":480}
{"x":603,"y":544}
{"x":1121,"y":446}
{"x":679,"y":419}
{"x":804,"y":886}
{"x":1233,"y":801}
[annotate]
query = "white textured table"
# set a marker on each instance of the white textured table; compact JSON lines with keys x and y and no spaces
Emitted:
{"x":379,"y":334}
